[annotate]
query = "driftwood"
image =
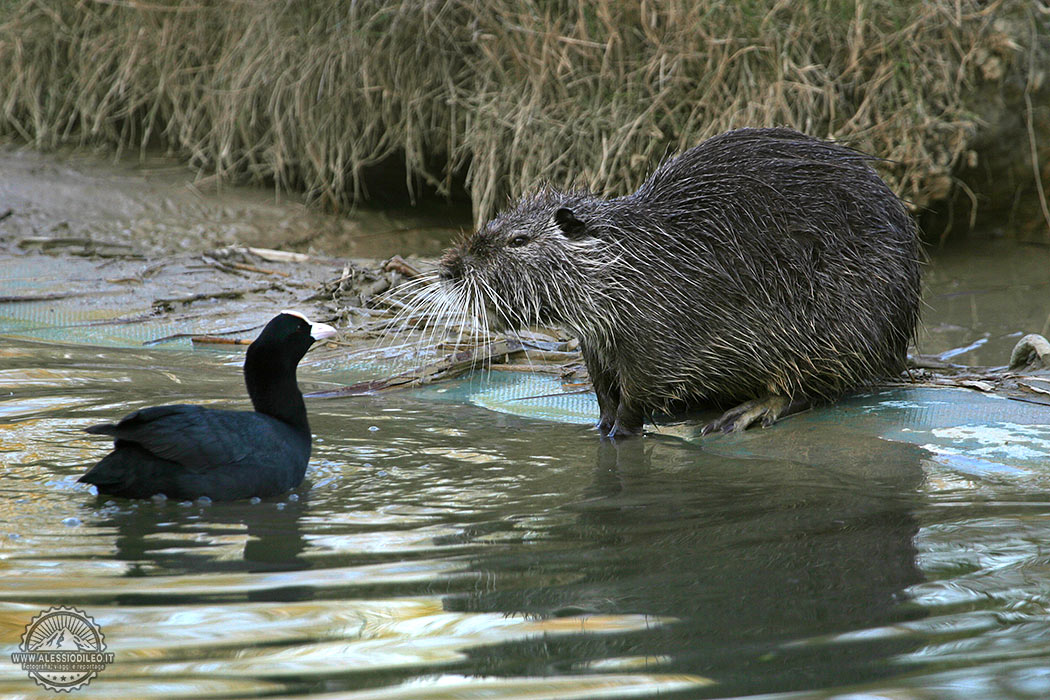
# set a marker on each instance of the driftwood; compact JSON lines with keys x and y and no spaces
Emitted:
{"x":1026,"y":378}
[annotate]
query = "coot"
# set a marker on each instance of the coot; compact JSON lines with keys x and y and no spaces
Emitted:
{"x":185,"y":451}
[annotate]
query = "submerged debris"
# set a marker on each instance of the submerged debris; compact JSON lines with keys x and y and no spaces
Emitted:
{"x":447,"y":367}
{"x":1026,"y":378}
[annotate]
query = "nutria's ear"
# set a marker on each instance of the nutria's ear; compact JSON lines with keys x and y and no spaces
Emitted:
{"x":569,"y":224}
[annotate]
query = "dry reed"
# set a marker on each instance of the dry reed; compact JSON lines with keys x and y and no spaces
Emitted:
{"x":307,"y":95}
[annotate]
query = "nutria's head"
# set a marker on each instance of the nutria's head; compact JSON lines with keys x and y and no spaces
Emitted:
{"x":540,"y":262}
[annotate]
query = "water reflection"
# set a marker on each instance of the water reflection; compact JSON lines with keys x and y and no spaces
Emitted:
{"x":189,"y":538}
{"x":764,"y":564}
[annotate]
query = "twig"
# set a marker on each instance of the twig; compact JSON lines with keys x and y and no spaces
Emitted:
{"x":1035,"y":162}
{"x":17,"y":298}
{"x":534,"y":369}
{"x":176,"y":336}
{"x":225,"y":294}
{"x":398,"y":264}
{"x":215,"y":340}
{"x":262,"y":270}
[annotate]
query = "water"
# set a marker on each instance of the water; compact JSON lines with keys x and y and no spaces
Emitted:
{"x":455,"y":543}
{"x":981,"y":296}
{"x":439,"y":549}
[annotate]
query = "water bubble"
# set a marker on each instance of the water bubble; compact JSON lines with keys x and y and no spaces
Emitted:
{"x":293,"y":497}
{"x":158,"y":498}
{"x":280,"y":506}
{"x":71,"y":522}
{"x":185,"y":503}
{"x":204,"y":500}
{"x":373,"y":428}
{"x":254,"y":499}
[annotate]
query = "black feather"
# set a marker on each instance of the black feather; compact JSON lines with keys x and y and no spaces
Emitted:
{"x":187,"y":451}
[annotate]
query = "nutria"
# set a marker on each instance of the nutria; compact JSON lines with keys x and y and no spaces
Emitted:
{"x":762,"y":269}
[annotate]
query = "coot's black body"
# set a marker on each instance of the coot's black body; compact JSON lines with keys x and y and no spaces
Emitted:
{"x":187,"y":451}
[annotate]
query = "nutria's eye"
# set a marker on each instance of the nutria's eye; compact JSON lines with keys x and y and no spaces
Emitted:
{"x":518,"y":241}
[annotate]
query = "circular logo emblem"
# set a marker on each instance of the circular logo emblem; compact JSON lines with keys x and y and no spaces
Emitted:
{"x":62,"y":649}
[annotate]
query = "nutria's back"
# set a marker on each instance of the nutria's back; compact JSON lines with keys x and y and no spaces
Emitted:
{"x":761,"y":263}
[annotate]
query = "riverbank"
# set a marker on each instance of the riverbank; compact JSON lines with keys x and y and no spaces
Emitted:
{"x":482,"y":101}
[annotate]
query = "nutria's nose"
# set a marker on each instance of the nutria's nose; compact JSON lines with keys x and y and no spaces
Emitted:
{"x":451,"y":267}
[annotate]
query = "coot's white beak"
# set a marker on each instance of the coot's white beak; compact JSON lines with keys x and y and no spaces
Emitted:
{"x":319,"y":331}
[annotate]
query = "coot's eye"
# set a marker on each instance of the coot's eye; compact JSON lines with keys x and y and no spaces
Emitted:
{"x":518,"y":241}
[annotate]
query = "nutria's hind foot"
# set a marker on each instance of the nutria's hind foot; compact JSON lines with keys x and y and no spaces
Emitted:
{"x":769,"y":409}
{"x":622,"y":430}
{"x":607,"y":421}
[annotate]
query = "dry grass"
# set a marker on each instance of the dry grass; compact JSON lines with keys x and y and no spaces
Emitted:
{"x":306,"y":94}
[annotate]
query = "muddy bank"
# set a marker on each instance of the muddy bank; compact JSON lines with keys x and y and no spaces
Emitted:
{"x":118,"y":253}
{"x":142,"y":252}
{"x":146,"y":207}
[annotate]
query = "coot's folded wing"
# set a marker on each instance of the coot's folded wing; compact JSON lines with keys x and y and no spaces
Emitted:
{"x":195,"y":437}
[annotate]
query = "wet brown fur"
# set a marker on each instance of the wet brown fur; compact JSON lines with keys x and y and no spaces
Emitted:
{"x":760,"y":265}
